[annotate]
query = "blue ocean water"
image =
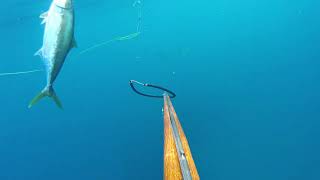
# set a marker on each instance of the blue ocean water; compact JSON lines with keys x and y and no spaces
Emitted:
{"x":246,"y":74}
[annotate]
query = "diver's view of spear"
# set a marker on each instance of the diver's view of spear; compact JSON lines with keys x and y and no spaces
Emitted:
{"x":178,"y":162}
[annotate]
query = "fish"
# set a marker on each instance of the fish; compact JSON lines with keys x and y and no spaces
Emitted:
{"x":58,"y":40}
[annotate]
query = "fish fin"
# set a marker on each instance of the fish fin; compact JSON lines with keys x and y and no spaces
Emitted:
{"x":36,"y":99}
{"x":47,"y":92}
{"x":44,"y":15}
{"x":44,"y":21}
{"x":74,"y":43}
{"x":38,"y":53}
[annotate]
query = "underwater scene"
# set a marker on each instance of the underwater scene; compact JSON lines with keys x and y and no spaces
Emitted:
{"x":127,"y":89}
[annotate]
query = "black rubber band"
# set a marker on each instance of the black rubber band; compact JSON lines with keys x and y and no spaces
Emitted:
{"x":171,"y":94}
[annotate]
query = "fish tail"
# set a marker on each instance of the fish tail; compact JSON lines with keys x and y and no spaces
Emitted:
{"x":46,"y":92}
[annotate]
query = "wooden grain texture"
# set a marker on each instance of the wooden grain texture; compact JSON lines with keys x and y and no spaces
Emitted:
{"x":171,"y":167}
{"x":171,"y":159}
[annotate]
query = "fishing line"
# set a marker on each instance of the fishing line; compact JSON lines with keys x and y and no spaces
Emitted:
{"x":130,"y":36}
{"x":96,"y":46}
{"x":137,"y":4}
{"x":20,"y":72}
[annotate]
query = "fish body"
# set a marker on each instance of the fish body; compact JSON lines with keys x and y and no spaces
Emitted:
{"x":58,"y":40}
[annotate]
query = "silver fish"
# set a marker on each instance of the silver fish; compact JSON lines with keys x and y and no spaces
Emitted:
{"x":58,"y":40}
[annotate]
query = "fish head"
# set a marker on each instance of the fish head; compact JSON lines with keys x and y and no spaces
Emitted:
{"x":63,"y":3}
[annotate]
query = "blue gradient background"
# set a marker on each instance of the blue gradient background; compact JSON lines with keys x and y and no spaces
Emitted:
{"x":246,"y":74}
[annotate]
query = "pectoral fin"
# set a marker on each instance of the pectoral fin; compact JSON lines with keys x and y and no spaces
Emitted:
{"x":44,"y":21}
{"x":44,"y":17}
{"x":39,"y":53}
